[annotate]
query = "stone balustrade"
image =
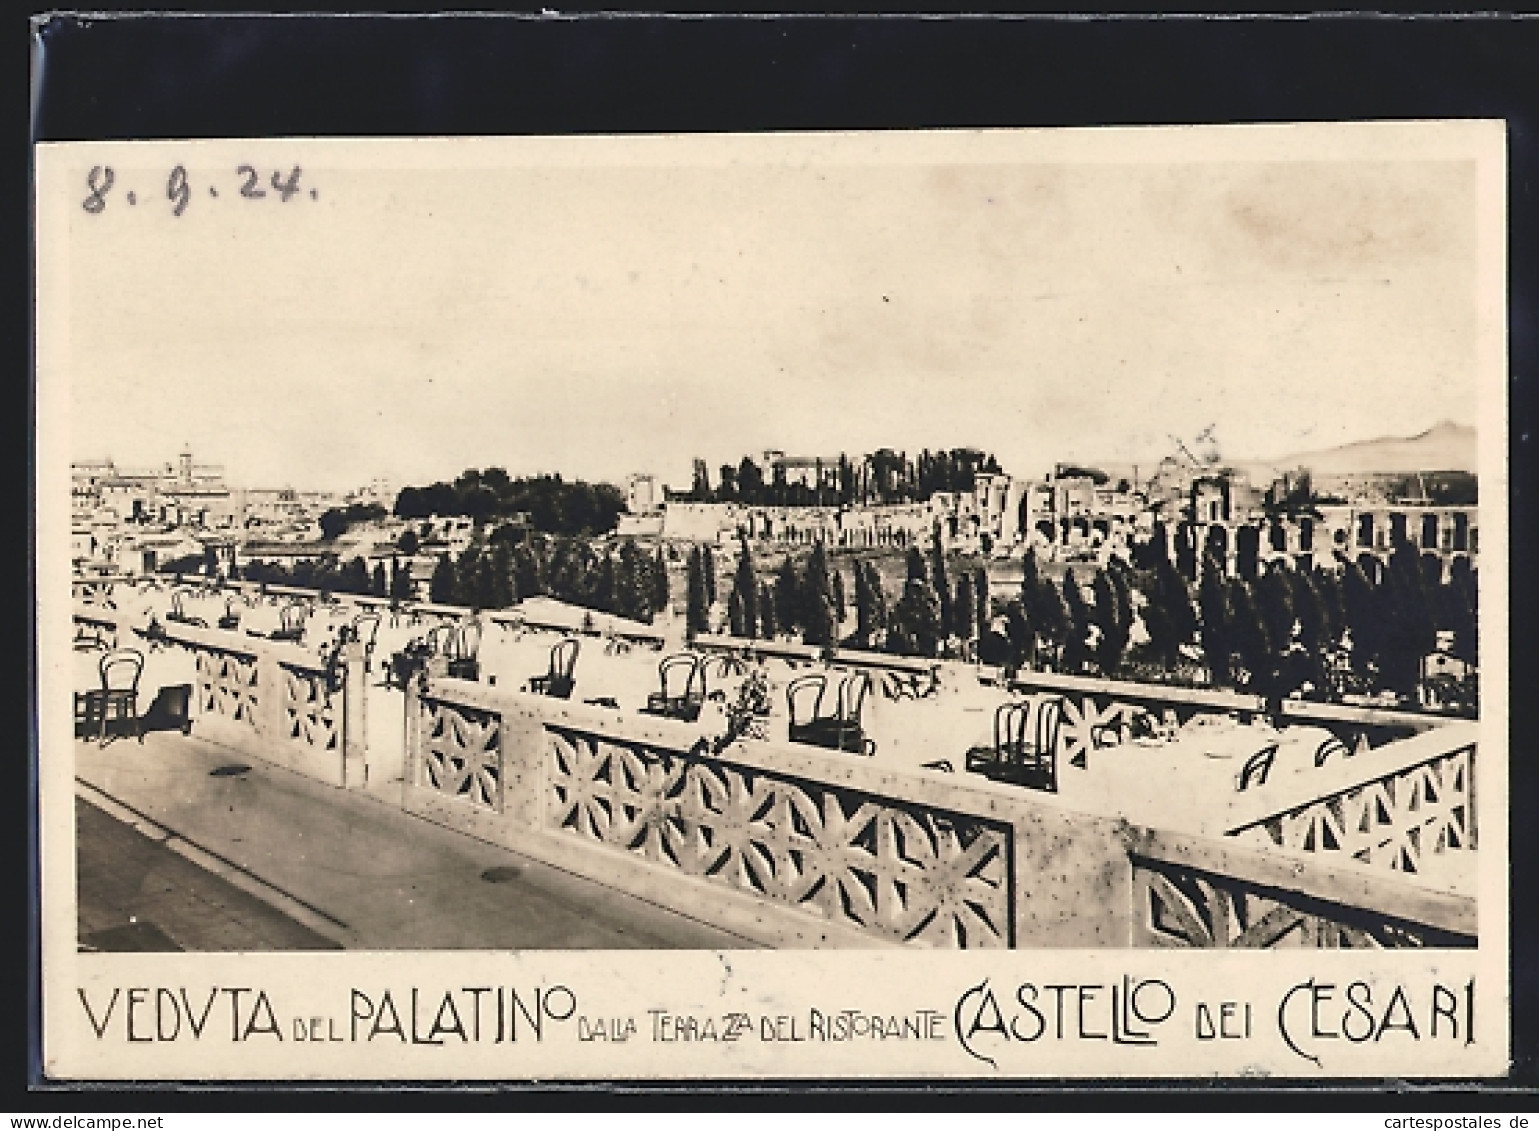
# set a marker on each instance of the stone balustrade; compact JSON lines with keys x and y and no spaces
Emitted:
{"x":800,"y":847}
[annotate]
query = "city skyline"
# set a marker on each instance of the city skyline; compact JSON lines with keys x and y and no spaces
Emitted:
{"x":601,"y":309}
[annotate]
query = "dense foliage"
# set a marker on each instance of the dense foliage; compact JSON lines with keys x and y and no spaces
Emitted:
{"x":548,"y":503}
{"x":881,"y":477}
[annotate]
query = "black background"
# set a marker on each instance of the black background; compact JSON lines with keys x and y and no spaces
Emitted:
{"x":170,"y":77}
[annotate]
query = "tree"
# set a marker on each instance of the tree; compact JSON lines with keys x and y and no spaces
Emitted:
{"x":1168,"y":614}
{"x":786,"y":596}
{"x":333,"y":523}
{"x":1213,"y":601}
{"x":210,"y":562}
{"x":1076,"y":644}
{"x":769,"y":627}
{"x":818,"y":619}
{"x":876,"y":604}
{"x":441,"y":587}
{"x":378,"y":585}
{"x":915,"y":565}
{"x":750,"y":482}
{"x":708,"y":563}
{"x":915,"y":628}
{"x":837,"y":582}
{"x":400,"y":581}
{"x":981,"y":596}
{"x":408,"y":542}
{"x":697,"y":607}
{"x":942,"y":585}
{"x":815,"y":588}
{"x":1114,"y":617}
{"x":965,"y":610}
{"x":1410,"y":626}
{"x":745,"y":586}
{"x":1019,"y":637}
{"x":1252,"y":639}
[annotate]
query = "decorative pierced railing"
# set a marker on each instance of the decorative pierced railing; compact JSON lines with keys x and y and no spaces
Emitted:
{"x":279,"y":703}
{"x":100,"y":593}
{"x":1199,"y":892}
{"x":902,"y":872}
{"x":1408,"y":806}
{"x":794,"y":846}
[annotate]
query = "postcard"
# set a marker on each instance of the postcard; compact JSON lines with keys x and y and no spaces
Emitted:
{"x":1000,"y":604}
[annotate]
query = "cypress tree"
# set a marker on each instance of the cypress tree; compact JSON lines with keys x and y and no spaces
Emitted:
{"x":981,"y":595}
{"x":770,"y":627}
{"x":915,"y":564}
{"x":1252,"y":637}
{"x":942,"y":586}
{"x":815,"y":589}
{"x":736,"y":624}
{"x":746,"y":585}
{"x":378,"y":586}
{"x":708,"y":562}
{"x":1076,"y":644}
{"x":660,"y":595}
{"x":502,"y":592}
{"x":1019,"y":634}
{"x":818,"y":623}
{"x":837,"y":582}
{"x":697,"y":609}
{"x":786,"y":596}
{"x":965,"y":609}
{"x":1213,"y":601}
{"x":877,"y":599}
{"x":441,"y":588}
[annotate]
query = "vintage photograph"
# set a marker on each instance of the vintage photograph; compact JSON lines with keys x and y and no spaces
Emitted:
{"x":1074,"y":540}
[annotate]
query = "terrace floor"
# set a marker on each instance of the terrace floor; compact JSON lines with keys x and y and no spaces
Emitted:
{"x":213,"y":856}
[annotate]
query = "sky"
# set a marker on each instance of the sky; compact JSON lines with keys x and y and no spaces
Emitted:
{"x":605,"y":306}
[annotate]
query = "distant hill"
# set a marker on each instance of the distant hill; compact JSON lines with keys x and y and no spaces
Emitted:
{"x":1445,"y":446}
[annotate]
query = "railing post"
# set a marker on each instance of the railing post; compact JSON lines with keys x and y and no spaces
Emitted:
{"x":269,"y":688}
{"x":525,"y":758}
{"x":411,"y":760}
{"x":355,"y":724}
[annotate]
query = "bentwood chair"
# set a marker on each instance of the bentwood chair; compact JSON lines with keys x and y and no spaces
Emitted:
{"x":291,"y":624}
{"x":462,"y":647}
{"x":230,"y":619}
{"x":682,"y":694}
{"x":559,"y":680}
{"x":117,"y":699}
{"x":839,"y":729}
{"x":179,"y":612}
{"x":1027,"y":734}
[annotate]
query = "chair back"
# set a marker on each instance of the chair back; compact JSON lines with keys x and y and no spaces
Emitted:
{"x":366,"y":627}
{"x":677,"y":674}
{"x":1049,"y":733}
{"x":464,"y":642}
{"x":1010,"y":728}
{"x":177,"y":611}
{"x":120,"y":669}
{"x":802,"y":691}
{"x":563,"y":658}
{"x":1329,"y":748}
{"x":437,"y":639}
{"x":1257,"y":767}
{"x":292,"y":618}
{"x":852,"y":696}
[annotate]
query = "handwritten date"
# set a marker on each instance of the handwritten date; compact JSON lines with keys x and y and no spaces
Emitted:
{"x":249,"y":183}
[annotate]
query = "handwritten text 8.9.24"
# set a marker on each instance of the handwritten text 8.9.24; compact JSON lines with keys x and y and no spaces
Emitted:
{"x":181,"y":188}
